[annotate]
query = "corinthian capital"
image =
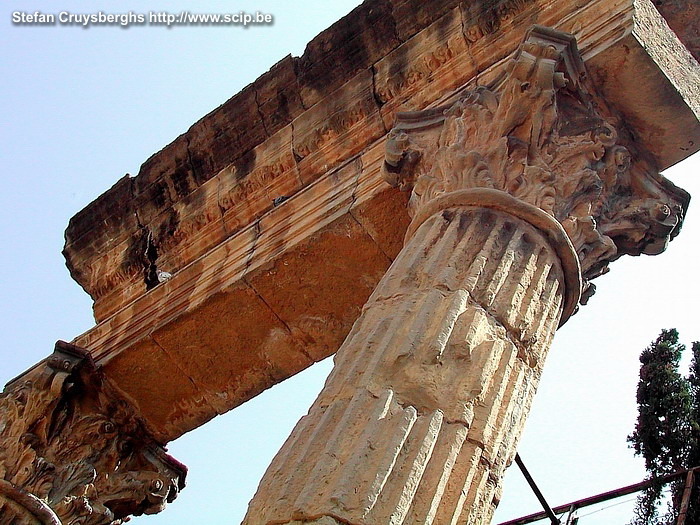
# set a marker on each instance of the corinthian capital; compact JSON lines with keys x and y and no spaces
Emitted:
{"x":541,"y":134}
{"x":72,"y":450}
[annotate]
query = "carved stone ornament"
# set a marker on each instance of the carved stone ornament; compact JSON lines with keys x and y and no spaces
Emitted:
{"x":540,"y":134}
{"x":72,"y":450}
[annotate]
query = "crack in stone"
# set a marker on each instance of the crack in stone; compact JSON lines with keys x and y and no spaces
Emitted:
{"x":462,"y":23}
{"x":356,"y":184}
{"x":522,"y":348}
{"x":297,"y":158}
{"x":452,"y":421}
{"x":377,"y":100}
{"x":282,"y":321}
{"x":195,"y":172}
{"x":138,"y":220}
{"x":150,"y":258}
{"x":144,"y":263}
{"x":260,"y":114}
{"x":222,"y":210}
{"x":476,"y":442}
{"x":295,"y":66}
{"x":387,"y":299}
{"x":177,"y":365}
{"x":199,"y":389}
{"x":353,"y":201}
{"x":257,"y":229}
{"x":421,"y":411}
{"x":498,"y":325}
{"x":352,"y":216}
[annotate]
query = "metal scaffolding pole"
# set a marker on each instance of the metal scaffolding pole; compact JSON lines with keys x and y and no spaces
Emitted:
{"x":605,"y":496}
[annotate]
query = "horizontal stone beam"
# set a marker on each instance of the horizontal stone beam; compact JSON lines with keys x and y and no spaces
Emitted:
{"x":244,"y":251}
{"x":262,"y":306}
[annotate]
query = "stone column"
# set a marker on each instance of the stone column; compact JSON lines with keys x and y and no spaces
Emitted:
{"x":520,"y":194}
{"x":73,"y":451}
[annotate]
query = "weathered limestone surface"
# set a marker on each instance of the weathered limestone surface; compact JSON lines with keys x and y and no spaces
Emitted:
{"x":519,"y":197}
{"x":313,"y":129}
{"x":684,"y":18}
{"x":418,"y":420}
{"x":245,"y":250}
{"x":207,"y":185}
{"x":73,"y":451}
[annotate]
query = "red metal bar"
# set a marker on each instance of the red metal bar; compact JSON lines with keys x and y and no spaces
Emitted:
{"x":599,"y":498}
{"x":547,"y":509}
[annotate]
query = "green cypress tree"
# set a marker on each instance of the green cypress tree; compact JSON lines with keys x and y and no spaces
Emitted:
{"x":667,"y":430}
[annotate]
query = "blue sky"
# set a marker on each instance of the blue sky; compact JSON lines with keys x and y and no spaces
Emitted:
{"x":82,"y":107}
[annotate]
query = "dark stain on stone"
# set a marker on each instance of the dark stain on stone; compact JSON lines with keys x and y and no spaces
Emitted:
{"x":245,"y":165}
{"x":448,"y":215}
{"x":158,"y":194}
{"x":465,"y":219}
{"x":348,"y":46}
{"x":150,"y":269}
{"x":282,"y":113}
{"x":169,"y":226}
{"x":180,"y":178}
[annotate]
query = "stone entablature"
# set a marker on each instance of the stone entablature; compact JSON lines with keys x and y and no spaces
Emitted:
{"x":245,"y":251}
{"x":207,"y":208}
{"x":298,"y":122}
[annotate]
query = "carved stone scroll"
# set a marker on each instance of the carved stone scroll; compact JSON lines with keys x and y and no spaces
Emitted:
{"x":543,"y":136}
{"x":73,"y":451}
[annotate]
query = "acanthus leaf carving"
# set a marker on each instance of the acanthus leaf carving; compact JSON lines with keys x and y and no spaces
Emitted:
{"x":542,"y":135}
{"x":69,"y":439}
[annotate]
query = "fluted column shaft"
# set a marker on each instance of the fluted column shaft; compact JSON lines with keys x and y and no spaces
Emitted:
{"x":521,"y":193}
{"x":430,"y":390}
